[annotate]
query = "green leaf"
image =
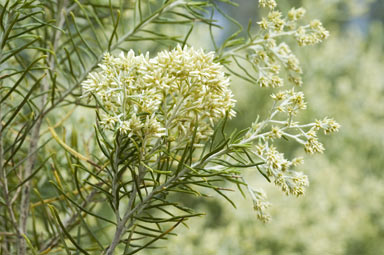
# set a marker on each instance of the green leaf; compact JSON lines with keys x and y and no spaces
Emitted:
{"x":157,"y":238}
{"x":55,"y":213}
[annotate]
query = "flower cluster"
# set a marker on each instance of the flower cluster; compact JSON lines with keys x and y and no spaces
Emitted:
{"x":267,"y":3}
{"x":328,"y":125}
{"x":296,"y":14}
{"x":290,"y":101}
{"x":280,"y":124}
{"x":311,"y":34}
{"x":173,"y":94}
{"x":312,"y":145}
{"x":275,"y":23}
{"x":260,"y":205}
{"x":281,"y":170}
{"x":269,"y":57}
{"x":276,"y":166}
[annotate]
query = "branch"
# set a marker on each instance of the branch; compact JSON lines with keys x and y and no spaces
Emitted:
{"x":26,"y":191}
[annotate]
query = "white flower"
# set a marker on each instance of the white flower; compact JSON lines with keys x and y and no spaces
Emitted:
{"x":166,"y":95}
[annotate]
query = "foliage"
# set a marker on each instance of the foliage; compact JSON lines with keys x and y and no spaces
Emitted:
{"x":72,"y":183}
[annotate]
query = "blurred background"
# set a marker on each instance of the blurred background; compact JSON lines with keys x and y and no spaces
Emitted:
{"x":343,"y":209}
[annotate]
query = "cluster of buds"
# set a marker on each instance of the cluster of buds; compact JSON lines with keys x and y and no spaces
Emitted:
{"x":296,"y":14}
{"x":312,"y":144}
{"x":292,"y":183}
{"x":271,"y":4}
{"x":280,"y":124}
{"x":260,"y":205}
{"x":175,"y":94}
{"x":311,"y":34}
{"x":275,"y":24}
{"x":328,"y":125}
{"x":276,"y":166}
{"x":280,"y":169}
{"x":269,"y":57}
{"x":289,"y":101}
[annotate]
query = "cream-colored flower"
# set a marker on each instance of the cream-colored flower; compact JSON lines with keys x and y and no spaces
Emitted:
{"x":328,"y":125}
{"x":271,"y":4}
{"x":260,"y":205}
{"x":170,"y":94}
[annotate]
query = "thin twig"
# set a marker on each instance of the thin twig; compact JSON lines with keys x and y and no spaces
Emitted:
{"x":26,"y":191}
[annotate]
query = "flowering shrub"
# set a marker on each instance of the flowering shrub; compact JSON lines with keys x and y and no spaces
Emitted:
{"x":160,"y":126}
{"x":177,"y":98}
